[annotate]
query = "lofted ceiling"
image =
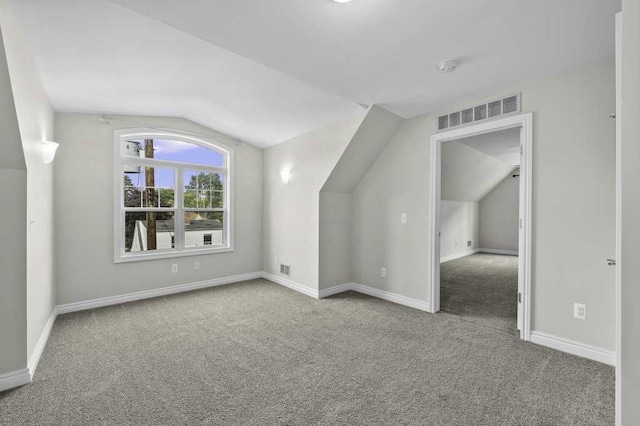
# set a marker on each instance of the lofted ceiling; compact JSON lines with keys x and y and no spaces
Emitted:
{"x":503,"y":145}
{"x":469,"y":174}
{"x":97,"y":56}
{"x":267,"y":70}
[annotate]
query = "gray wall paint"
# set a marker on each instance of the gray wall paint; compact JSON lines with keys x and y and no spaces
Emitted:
{"x":373,"y":134}
{"x":12,"y":154}
{"x":13,"y":264}
{"x":292,"y":211}
{"x":459,"y":223}
{"x":84,"y":215}
{"x":35,"y":119}
{"x":396,"y":183}
{"x":335,"y":239}
{"x":499,"y":214}
{"x":630,"y":367}
{"x":468,"y":174}
{"x":573,"y":205}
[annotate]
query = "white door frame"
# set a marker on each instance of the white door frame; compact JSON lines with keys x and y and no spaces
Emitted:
{"x":618,"y":394}
{"x":525,"y":122}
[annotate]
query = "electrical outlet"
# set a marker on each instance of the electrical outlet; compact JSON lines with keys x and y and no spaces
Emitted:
{"x":383,"y":272}
{"x":580,"y":311}
{"x":469,"y":243}
{"x":196,"y":265}
{"x":403,"y":218}
{"x":174,"y":268}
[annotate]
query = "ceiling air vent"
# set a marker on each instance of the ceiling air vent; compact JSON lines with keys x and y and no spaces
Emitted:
{"x":493,"y":109}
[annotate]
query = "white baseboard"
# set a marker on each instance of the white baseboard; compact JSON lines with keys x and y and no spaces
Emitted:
{"x":393,"y":297}
{"x":575,"y":348}
{"x":148,"y":294}
{"x":291,"y":284}
{"x":42,"y":342}
{"x":498,"y":251}
{"x":335,"y":290}
{"x":380,"y":294}
{"x":454,"y":256}
{"x":14,"y":379}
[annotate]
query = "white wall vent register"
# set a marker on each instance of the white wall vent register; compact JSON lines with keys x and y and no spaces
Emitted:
{"x":497,"y":108}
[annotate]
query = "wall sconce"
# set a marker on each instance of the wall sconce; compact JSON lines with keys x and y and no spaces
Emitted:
{"x":49,"y":151}
{"x":285,"y":175}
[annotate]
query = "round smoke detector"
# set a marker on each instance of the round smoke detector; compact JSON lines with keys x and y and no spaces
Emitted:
{"x":448,"y":66}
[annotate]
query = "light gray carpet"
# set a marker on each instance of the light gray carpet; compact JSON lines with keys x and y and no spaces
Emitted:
{"x":482,"y":288}
{"x":256,"y":353}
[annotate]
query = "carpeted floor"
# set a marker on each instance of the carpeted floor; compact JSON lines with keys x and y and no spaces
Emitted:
{"x":482,"y":288}
{"x":256,"y":353}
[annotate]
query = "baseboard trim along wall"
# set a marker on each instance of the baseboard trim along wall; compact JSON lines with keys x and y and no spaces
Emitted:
{"x":23,"y":377}
{"x":42,"y":342}
{"x":459,"y":255}
{"x":14,"y":379}
{"x":575,"y":348}
{"x":380,"y":294}
{"x":499,"y":251}
{"x":148,"y":294}
{"x":477,"y":250}
{"x":290,"y":284}
{"x":335,"y":290}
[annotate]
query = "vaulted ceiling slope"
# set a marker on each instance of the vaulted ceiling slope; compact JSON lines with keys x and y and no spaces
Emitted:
{"x":10,"y":140}
{"x":387,"y":52}
{"x":503,"y":145}
{"x":267,"y":70}
{"x":97,"y":56}
{"x":468,"y":174}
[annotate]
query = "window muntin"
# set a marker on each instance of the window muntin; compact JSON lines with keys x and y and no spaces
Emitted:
{"x":173,"y":196}
{"x":170,"y":149}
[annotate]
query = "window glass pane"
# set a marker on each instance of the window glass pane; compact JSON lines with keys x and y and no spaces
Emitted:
{"x":203,"y":228}
{"x":203,"y":190}
{"x":148,"y":186}
{"x":170,"y":150}
{"x":148,"y":231}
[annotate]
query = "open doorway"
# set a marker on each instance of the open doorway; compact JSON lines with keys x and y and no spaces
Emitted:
{"x":480,"y":223}
{"x":479,"y":212}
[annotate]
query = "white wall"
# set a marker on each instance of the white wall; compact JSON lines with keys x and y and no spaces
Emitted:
{"x":13,"y":256}
{"x":84,"y":214}
{"x":630,"y":367}
{"x":335,"y":239}
{"x":36,"y":122}
{"x":468,"y":174}
{"x":292,"y":211}
{"x":573,"y":205}
{"x":13,"y":264}
{"x":499,"y":215}
{"x":459,"y":223}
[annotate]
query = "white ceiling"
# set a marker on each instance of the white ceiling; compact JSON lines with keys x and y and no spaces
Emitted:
{"x":386,"y":52}
{"x":96,"y":56}
{"x":469,"y":175}
{"x":318,"y":57}
{"x":503,"y":145}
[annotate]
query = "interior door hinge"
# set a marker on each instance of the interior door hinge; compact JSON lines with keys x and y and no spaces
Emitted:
{"x":520,"y":223}
{"x":519,"y":297}
{"x":521,"y":150}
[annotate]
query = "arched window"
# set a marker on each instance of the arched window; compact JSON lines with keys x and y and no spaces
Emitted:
{"x":173,"y":196}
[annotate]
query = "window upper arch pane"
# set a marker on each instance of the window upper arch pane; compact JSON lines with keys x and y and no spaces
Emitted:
{"x":173,"y":148}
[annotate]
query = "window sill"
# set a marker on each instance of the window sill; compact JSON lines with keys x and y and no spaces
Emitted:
{"x":169,"y":255}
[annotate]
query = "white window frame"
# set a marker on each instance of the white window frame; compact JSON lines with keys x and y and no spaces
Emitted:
{"x":180,"y":250}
